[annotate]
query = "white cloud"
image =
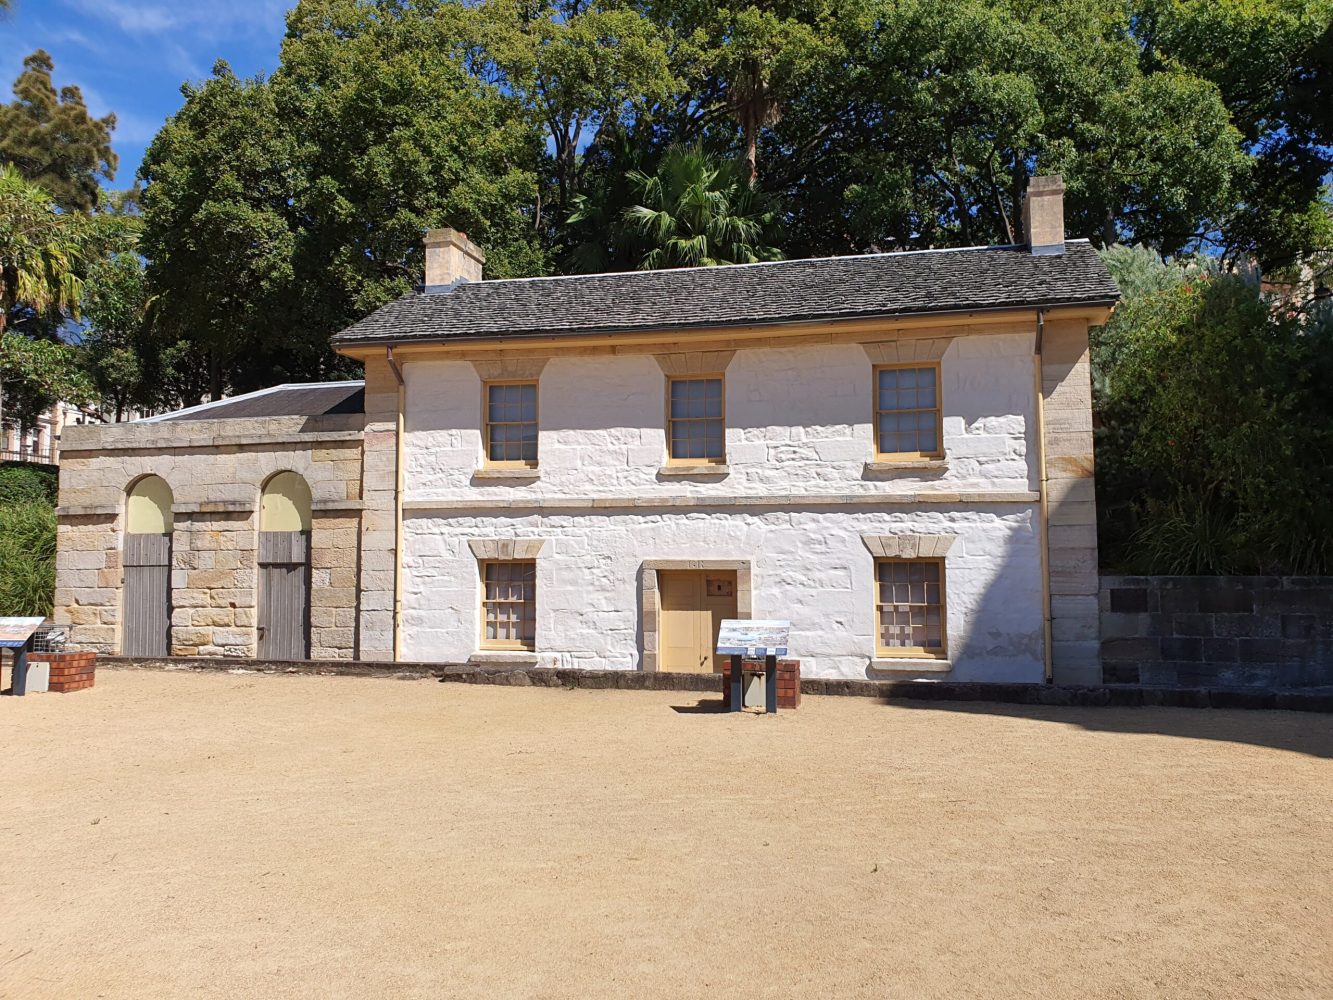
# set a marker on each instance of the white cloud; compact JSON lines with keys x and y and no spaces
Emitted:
{"x":226,"y":17}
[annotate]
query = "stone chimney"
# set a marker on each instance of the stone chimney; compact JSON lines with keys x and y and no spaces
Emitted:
{"x":451,"y":259}
{"x":1044,"y":215}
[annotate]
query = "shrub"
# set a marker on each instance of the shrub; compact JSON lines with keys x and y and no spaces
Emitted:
{"x":25,"y":483}
{"x":1215,"y":437}
{"x":27,"y":558}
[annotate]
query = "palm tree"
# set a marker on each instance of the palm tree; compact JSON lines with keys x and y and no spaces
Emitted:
{"x":40,"y":253}
{"x":40,"y":250}
{"x":698,"y":211}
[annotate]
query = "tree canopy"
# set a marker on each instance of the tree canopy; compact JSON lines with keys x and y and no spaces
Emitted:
{"x":278,"y":210}
{"x":52,"y":140}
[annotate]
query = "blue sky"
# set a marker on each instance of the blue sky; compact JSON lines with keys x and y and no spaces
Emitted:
{"x":131,"y":56}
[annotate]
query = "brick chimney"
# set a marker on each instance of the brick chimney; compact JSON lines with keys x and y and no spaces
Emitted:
{"x":1044,"y":215}
{"x":451,"y":259}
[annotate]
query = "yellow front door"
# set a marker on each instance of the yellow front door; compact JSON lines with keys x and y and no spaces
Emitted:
{"x":694,"y":602}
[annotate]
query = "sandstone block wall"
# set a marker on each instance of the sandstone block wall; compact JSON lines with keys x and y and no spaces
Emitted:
{"x":1071,"y":544}
{"x":379,"y":480}
{"x":216,"y":470}
{"x":1204,"y":631}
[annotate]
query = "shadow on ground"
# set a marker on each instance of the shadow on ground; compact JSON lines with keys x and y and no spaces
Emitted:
{"x":1298,"y":732}
{"x":705,"y":706}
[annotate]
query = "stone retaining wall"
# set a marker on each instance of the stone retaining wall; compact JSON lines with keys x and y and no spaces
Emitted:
{"x":1197,"y":631}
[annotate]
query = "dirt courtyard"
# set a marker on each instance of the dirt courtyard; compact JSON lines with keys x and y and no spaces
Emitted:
{"x":234,"y":835}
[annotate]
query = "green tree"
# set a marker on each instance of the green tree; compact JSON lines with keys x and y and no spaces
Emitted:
{"x":926,"y":134}
{"x":698,"y":211}
{"x":51,"y":138}
{"x":1215,"y":444}
{"x":581,"y":71}
{"x":744,"y":63}
{"x":40,"y":251}
{"x":40,"y":254}
{"x":1272,"y":64}
{"x":217,"y":226}
{"x":117,"y":347}
{"x":277,"y":212}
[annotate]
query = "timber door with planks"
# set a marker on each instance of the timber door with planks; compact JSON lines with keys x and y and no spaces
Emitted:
{"x":284,"y":595}
{"x":147,"y":629}
{"x":693,"y":606}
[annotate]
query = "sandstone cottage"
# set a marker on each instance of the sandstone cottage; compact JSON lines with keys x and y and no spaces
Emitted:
{"x":893,"y":451}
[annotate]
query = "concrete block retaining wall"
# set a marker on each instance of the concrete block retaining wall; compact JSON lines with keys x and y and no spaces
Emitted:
{"x":1198,"y":631}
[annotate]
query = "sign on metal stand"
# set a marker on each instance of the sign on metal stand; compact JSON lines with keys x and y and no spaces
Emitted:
{"x":16,"y":634}
{"x":748,"y":639}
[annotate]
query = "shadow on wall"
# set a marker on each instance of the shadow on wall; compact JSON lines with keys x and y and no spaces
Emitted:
{"x":987,"y":640}
{"x":1297,"y":732}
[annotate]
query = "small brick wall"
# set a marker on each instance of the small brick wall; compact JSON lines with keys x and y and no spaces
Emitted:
{"x":1201,"y":631}
{"x":789,"y":684}
{"x":69,"y":671}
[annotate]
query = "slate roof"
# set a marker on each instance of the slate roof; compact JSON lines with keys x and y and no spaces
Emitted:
{"x":895,"y":284}
{"x":310,"y":400}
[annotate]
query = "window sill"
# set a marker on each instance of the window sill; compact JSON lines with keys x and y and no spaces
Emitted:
{"x":503,"y":658}
{"x":909,"y":665}
{"x":704,"y":469}
{"x":907,"y":465}
{"x":507,"y":474}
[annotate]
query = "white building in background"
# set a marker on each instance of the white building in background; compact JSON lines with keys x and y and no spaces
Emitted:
{"x":40,"y":443}
{"x":892,"y":451}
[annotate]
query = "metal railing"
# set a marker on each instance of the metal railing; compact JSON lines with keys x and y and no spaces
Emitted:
{"x":39,"y":456}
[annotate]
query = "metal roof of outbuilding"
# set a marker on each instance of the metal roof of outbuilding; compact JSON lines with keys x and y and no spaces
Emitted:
{"x":290,"y":400}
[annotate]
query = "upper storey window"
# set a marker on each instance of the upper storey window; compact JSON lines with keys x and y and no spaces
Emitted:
{"x":511,"y":424}
{"x":696,"y":420}
{"x":907,"y":411}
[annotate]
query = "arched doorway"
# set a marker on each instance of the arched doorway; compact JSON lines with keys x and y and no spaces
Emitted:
{"x":147,"y":563}
{"x":284,"y":568}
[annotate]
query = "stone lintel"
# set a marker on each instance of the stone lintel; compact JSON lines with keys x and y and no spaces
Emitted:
{"x":694,"y":362}
{"x":897,"y":352}
{"x":510,"y":369}
{"x":907,"y":546}
{"x":506,"y":548}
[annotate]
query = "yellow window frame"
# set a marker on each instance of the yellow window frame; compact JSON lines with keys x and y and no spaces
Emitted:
{"x":487,"y":423}
{"x":721,"y":379}
{"x":911,"y":652}
{"x":937,"y":409}
{"x":511,"y":644}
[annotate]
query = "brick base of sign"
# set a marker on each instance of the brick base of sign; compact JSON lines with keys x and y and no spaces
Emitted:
{"x":789,"y":685}
{"x":69,"y":671}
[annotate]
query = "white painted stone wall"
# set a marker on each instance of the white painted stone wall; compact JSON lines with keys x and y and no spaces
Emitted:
{"x":799,"y":420}
{"x":809,"y":566}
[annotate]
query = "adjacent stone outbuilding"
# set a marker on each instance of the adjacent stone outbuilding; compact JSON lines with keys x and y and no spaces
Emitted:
{"x":192,"y":485}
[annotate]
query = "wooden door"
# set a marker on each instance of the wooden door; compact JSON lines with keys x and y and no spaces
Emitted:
{"x":147,"y":630}
{"x":284,"y":595}
{"x":694,"y":602}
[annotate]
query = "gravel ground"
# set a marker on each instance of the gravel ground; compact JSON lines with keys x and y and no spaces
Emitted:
{"x":215,"y":835}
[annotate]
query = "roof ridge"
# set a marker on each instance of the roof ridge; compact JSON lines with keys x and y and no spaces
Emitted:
{"x":723,"y":268}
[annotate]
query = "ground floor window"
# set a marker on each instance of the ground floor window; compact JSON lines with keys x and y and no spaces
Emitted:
{"x":509,"y":604}
{"x":909,"y":607}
